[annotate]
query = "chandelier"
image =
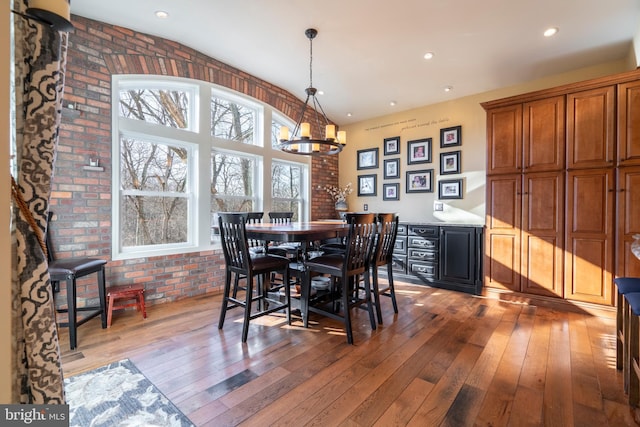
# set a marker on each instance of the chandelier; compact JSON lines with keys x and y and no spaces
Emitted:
{"x":301,"y":141}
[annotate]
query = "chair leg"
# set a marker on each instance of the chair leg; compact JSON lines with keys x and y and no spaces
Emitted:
{"x":72,"y":311}
{"x":102,"y":292}
{"x":346,"y":311}
{"x":619,"y":333}
{"x":287,"y":293}
{"x":247,"y":309}
{"x":392,"y":288}
{"x":376,"y":294}
{"x":628,"y":318}
{"x":367,"y":293}
{"x":225,"y":297}
{"x":632,"y":360}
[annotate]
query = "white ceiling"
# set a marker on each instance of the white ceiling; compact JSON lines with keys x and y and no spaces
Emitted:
{"x":370,"y":52}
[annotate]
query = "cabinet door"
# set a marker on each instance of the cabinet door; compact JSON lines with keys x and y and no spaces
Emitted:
{"x":458,"y":254}
{"x":504,"y":140}
{"x":629,"y":124}
{"x":544,"y":135}
{"x":628,"y":199}
{"x":591,"y":128}
{"x":502,"y":239}
{"x":589,"y":237}
{"x":542,"y":233}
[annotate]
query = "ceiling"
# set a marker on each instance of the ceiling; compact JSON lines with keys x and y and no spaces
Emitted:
{"x":370,"y":52}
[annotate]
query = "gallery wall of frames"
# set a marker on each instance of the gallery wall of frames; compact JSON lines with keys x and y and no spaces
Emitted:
{"x":420,"y":170}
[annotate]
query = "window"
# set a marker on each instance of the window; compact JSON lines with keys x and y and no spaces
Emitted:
{"x":286,"y":188}
{"x":184,"y":150}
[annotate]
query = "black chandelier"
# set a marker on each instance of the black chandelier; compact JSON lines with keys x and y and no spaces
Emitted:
{"x":301,"y":141}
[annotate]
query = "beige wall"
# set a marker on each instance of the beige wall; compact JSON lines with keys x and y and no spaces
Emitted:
{"x":426,"y":122}
{"x":636,"y":47}
{"x":5,"y":240}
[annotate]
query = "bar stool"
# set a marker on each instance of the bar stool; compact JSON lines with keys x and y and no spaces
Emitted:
{"x":632,"y":305}
{"x":129,"y":296}
{"x":624,"y":285}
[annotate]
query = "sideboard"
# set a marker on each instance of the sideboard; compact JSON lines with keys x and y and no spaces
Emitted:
{"x":443,"y":255}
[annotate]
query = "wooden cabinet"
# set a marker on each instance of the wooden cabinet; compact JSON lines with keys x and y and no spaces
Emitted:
{"x":542,"y":233}
{"x":591,"y":128}
{"x":627,"y":212}
{"x":502,"y":241}
{"x":444,"y":256}
{"x":589,"y":237}
{"x":544,"y":134}
{"x":629,"y":124}
{"x":552,"y":191}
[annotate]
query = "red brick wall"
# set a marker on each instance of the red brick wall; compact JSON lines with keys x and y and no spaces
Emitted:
{"x":81,"y":199}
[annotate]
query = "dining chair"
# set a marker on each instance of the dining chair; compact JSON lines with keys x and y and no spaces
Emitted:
{"x":68,"y":270}
{"x":624,"y":285}
{"x":291,"y":250}
{"x":383,"y":257}
{"x":346,"y":269}
{"x":239,"y":263}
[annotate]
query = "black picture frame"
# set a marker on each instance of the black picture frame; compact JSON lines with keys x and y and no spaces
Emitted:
{"x":368,"y":185}
{"x":368,"y":159}
{"x":391,"y":168}
{"x":419,"y":181}
{"x":391,"y":191}
{"x":450,"y":162}
{"x":392,"y":145}
{"x":450,"y":189}
{"x":451,"y":137}
{"x":419,"y":151}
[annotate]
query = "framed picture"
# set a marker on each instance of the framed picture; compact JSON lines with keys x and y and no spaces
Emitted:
{"x":420,"y":181}
{"x":367,"y":185}
{"x":419,"y":151}
{"x":450,"y":189}
{"x":450,"y":162}
{"x":391,"y":191}
{"x":450,"y":137}
{"x":368,"y":159}
{"x":392,"y":145}
{"x":391,"y":168}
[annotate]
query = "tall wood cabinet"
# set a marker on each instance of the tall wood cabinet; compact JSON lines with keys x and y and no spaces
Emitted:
{"x":563,"y":185}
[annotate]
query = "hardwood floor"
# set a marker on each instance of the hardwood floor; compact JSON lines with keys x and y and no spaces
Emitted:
{"x":448,"y":359}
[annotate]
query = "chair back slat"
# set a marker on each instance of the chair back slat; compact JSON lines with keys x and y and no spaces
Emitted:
{"x":387,"y":232}
{"x":254,"y":218}
{"x":234,"y":241}
{"x":280,"y":217}
{"x":359,"y":243}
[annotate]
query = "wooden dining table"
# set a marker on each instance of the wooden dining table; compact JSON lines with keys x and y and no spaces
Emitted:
{"x":303,"y":232}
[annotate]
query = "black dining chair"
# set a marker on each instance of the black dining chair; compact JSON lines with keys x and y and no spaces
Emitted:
{"x":240,"y":263}
{"x":383,"y":257}
{"x":346,"y":269}
{"x":68,"y":270}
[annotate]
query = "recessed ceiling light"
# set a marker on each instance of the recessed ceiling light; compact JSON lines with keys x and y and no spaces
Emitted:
{"x":320,"y":92}
{"x":448,"y":88}
{"x":392,"y":103}
{"x":550,"y":31}
{"x":162,"y":14}
{"x":428,"y":55}
{"x":349,"y":114}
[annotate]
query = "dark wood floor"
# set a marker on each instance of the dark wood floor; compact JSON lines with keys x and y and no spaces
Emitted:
{"x":448,"y":359}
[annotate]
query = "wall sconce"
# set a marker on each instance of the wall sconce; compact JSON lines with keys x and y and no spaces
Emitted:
{"x":55,"y":13}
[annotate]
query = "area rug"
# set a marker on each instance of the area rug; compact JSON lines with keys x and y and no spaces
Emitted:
{"x":119,"y":395}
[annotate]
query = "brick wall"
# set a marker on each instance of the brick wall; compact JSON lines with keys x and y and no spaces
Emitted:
{"x":81,"y":200}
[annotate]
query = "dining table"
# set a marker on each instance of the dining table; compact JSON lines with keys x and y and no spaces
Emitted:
{"x":305,"y":233}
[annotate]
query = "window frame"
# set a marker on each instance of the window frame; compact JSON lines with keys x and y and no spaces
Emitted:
{"x":199,"y":138}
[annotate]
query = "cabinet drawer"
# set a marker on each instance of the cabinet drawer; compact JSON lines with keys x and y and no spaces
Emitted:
{"x":425,"y":270}
{"x":422,"y":243}
{"x":399,"y":264}
{"x":423,"y":255}
{"x":423,"y":230}
{"x":402,"y":229}
{"x":400,"y":246}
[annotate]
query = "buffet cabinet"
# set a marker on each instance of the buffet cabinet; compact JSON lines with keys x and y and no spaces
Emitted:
{"x":563,"y":193}
{"x":443,"y":256}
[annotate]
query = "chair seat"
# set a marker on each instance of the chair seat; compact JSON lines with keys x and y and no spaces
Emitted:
{"x":66,"y":266}
{"x":265,"y":263}
{"x":331,"y":261}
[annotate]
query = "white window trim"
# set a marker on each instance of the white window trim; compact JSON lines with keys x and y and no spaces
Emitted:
{"x":198,"y":134}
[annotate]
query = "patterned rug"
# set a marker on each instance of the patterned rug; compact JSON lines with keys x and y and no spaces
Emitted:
{"x":119,"y":395}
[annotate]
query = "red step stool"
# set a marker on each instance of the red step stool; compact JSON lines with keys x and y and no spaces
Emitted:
{"x":126,"y":294}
